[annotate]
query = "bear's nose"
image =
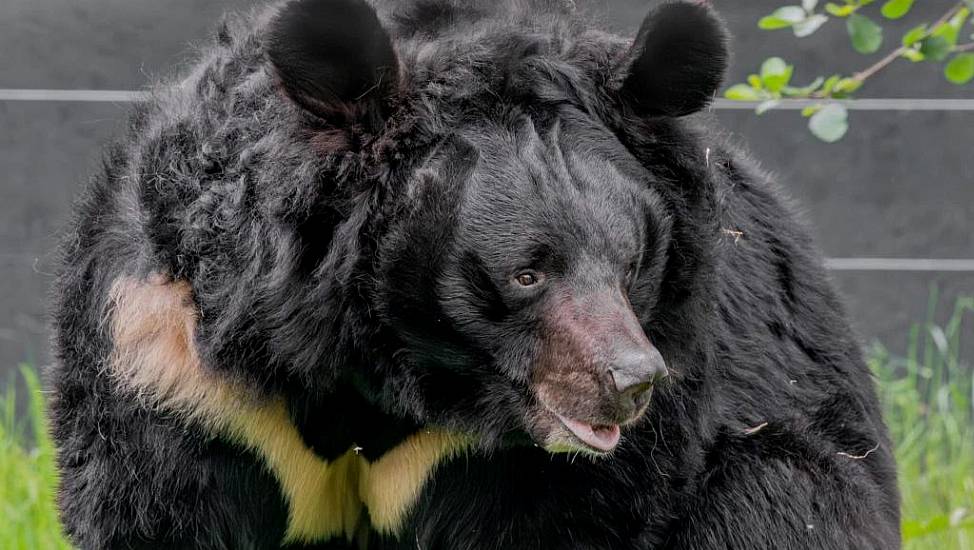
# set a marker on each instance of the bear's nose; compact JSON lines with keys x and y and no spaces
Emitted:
{"x":634,"y":372}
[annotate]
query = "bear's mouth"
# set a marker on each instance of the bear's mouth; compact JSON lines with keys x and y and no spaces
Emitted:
{"x":597,"y":438}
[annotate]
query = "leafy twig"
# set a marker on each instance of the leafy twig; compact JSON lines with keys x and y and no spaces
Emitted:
{"x":828,"y":118}
{"x":871,"y":71}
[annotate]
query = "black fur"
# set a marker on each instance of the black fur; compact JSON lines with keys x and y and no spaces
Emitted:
{"x":679,"y":59}
{"x":334,"y":57}
{"x":362,"y":270}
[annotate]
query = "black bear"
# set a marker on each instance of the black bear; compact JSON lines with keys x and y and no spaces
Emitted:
{"x":449,"y":274}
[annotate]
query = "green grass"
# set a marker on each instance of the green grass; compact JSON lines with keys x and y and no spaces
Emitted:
{"x":27,"y":473}
{"x":928,"y":396}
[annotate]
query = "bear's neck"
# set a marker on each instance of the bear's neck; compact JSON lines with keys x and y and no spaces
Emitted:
{"x":344,"y":420}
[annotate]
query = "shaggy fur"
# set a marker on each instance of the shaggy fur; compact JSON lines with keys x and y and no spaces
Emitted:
{"x":302,"y":261}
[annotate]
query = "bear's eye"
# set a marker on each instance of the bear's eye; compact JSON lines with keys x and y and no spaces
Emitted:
{"x":527,"y":278}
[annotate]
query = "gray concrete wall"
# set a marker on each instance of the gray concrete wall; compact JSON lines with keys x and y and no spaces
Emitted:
{"x":899,"y":185}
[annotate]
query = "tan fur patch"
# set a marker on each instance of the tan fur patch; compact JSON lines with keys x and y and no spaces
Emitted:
{"x":154,"y":322}
{"x":391,"y":484}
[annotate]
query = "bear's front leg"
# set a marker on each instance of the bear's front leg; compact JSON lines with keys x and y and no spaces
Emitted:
{"x":757,"y":494}
{"x":528,"y":499}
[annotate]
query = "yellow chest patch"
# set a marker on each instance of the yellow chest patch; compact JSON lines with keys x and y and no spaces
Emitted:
{"x":326,"y":499}
{"x":153,"y":325}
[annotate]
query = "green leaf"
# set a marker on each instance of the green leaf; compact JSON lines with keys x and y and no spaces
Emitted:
{"x":960,"y":17}
{"x":775,"y":74}
{"x":803,"y":91}
{"x":773,"y":66}
{"x":840,"y":11}
{"x":742,"y":92}
{"x":830,"y":123}
{"x":960,"y":70}
{"x":814,"y":85}
{"x":830,"y":83}
{"x":915,"y":34}
{"x":950,"y":30}
{"x":866,"y":35}
{"x":809,"y":26}
{"x":894,"y":9}
{"x":913,"y":55}
{"x":935,"y":47}
{"x":792,"y":14}
{"x":847,"y":86}
{"x":811,"y":110}
{"x":770,"y":23}
{"x":783,"y":17}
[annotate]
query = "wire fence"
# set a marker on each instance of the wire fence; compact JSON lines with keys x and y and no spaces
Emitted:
{"x":871,"y":104}
{"x":834,"y":264}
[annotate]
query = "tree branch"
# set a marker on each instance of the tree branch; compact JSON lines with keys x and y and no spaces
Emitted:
{"x":870,"y":71}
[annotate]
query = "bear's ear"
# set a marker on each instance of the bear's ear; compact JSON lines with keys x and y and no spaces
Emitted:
{"x":677,"y":60}
{"x":334,"y":59}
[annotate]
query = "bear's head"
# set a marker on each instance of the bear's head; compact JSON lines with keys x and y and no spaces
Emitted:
{"x":535,"y":202}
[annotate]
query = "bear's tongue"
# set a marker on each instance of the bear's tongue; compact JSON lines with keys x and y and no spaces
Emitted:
{"x":603,"y":438}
